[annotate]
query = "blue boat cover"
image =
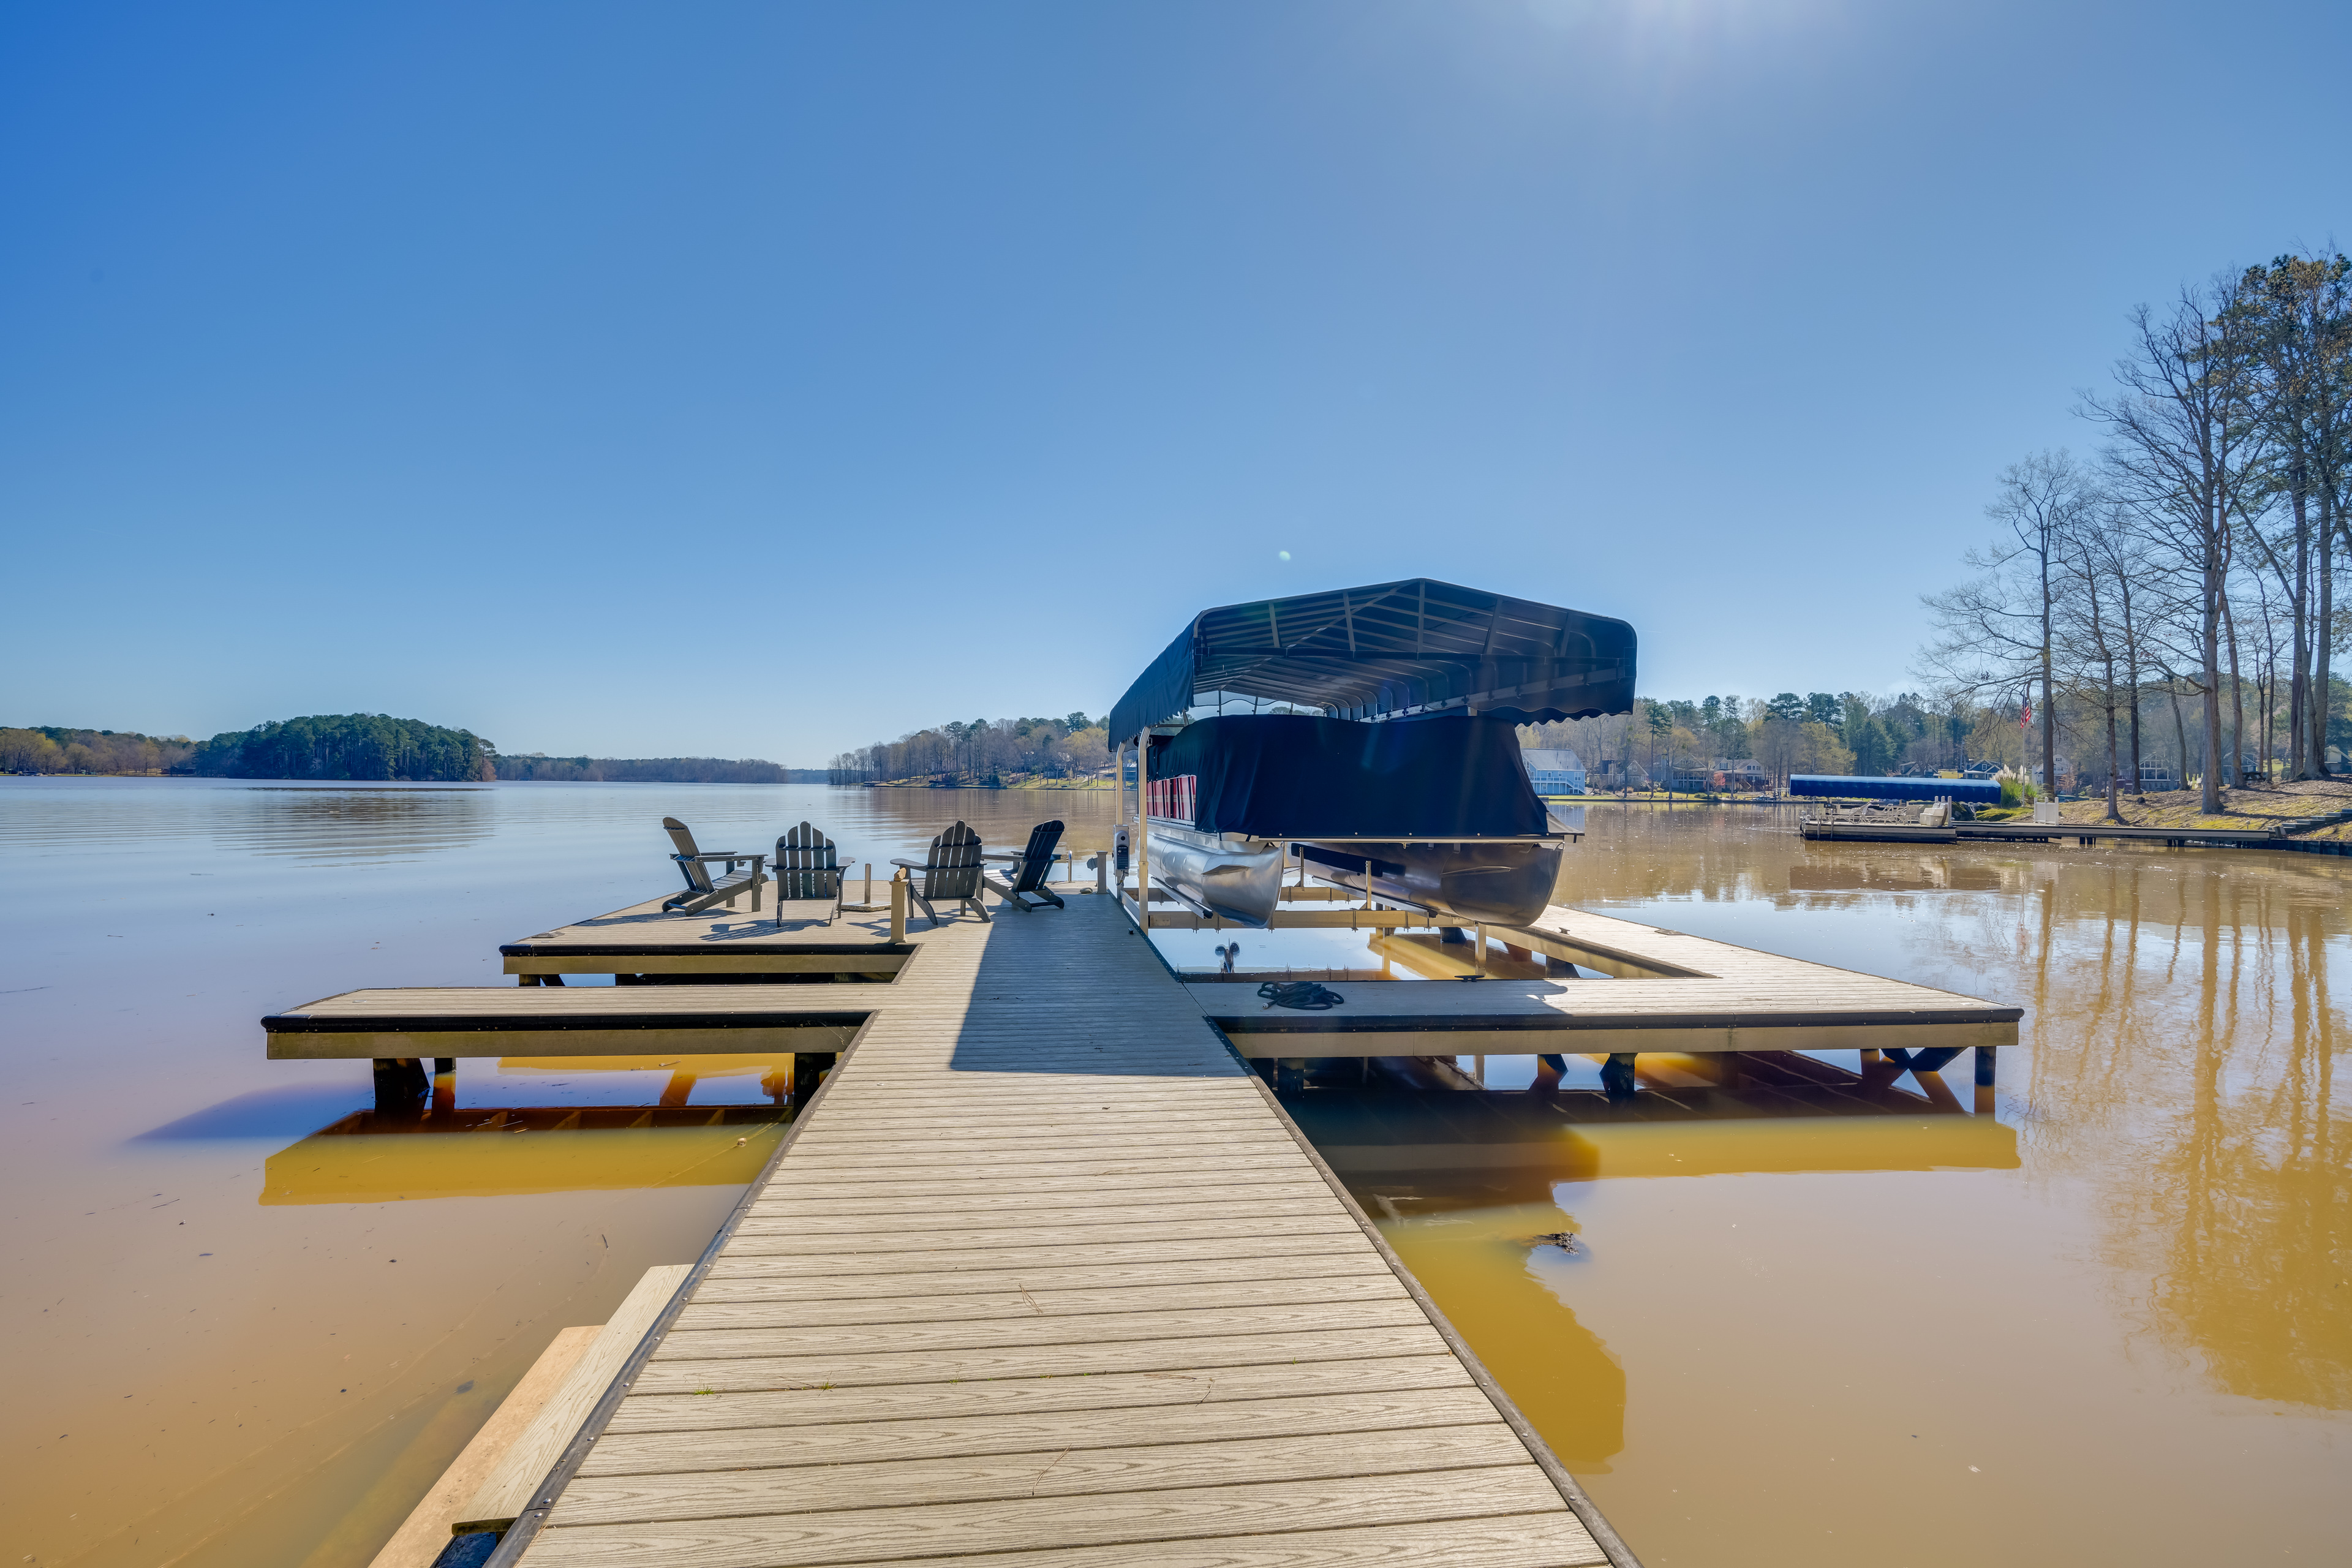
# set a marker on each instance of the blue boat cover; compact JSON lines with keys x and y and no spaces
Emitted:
{"x":1389,"y":651}
{"x":1864,"y":786}
{"x":1286,"y":776}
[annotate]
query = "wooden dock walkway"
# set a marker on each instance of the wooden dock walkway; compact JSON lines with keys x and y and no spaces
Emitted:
{"x":1862,"y":831}
{"x":1670,"y":992}
{"x":1043,"y":1276}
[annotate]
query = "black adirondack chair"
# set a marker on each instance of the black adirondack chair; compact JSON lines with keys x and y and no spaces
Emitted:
{"x":702,"y":889}
{"x":950,"y":871}
{"x":1029,"y":869}
{"x":806,"y":868}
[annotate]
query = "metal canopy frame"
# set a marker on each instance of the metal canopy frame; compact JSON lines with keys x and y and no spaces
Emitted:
{"x":1393,"y":650}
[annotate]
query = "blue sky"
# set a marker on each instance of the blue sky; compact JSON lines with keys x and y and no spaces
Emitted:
{"x":763,"y":380}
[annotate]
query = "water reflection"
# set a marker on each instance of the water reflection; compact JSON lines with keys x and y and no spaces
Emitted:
{"x":355,"y":826}
{"x":365,"y":1158}
{"x":1818,"y":1329}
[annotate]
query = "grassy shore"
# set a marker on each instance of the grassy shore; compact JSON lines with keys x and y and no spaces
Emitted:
{"x":2260,"y":805}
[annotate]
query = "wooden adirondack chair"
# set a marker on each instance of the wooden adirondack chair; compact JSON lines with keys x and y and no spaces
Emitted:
{"x":702,"y":889}
{"x":806,"y":868}
{"x":952,"y":870}
{"x":1029,"y":872}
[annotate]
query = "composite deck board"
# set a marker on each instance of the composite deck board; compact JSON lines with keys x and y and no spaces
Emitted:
{"x":1113,"y":1229}
{"x":810,"y":1259}
{"x":1024,"y":1305}
{"x":799,"y":1285}
{"x":1190,"y":1514}
{"x":1043,"y":1272}
{"x":887,"y":1406}
{"x":988,"y":1210}
{"x":736,"y":1491}
{"x":1053,"y":1432}
{"x":683,"y":1343}
{"x":1517,"y":1541}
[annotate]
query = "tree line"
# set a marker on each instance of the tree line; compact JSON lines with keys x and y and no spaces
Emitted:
{"x":2194,"y":557}
{"x":1682,"y":742}
{"x":539,"y":767}
{"x":983,"y":751}
{"x":346,"y":746}
{"x":55,"y":749}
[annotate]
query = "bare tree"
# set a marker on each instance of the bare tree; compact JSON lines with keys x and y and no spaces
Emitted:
{"x":2091,"y":649}
{"x":2178,"y":457}
{"x":1997,"y":631}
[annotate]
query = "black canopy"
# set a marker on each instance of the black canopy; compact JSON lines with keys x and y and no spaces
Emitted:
{"x":1394,"y":650}
{"x":1287,"y":777}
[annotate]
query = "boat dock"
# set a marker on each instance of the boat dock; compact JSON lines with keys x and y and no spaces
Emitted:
{"x":1862,"y":831}
{"x":1041,"y":1269}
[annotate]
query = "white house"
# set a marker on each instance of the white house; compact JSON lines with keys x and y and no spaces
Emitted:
{"x":1555,"y":772}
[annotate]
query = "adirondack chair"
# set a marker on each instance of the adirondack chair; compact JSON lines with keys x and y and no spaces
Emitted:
{"x":806,"y":867}
{"x":702,"y":889}
{"x":952,"y":870}
{"x":1029,"y":868}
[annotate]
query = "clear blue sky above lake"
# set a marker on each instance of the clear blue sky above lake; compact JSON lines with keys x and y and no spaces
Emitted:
{"x":763,"y":380}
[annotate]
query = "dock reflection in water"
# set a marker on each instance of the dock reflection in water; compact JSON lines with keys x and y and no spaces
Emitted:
{"x":366,"y":1158}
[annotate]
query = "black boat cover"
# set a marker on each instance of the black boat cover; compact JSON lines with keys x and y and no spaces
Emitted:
{"x":1866,"y":786}
{"x":1286,"y":777}
{"x":1392,"y":650}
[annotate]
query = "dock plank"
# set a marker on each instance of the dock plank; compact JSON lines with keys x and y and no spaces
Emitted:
{"x":1196,"y":1514}
{"x":886,"y":1406}
{"x":1317,"y":1414}
{"x":1073,"y":1470}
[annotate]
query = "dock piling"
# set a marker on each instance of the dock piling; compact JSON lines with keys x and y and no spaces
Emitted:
{"x":1617,"y":1075}
{"x":400,"y":1086}
{"x":1985,"y":1055}
{"x":809,"y":1069}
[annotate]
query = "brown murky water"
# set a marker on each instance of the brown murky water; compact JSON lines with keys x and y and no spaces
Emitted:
{"x":244,"y":1327}
{"x":2111,"y":1324}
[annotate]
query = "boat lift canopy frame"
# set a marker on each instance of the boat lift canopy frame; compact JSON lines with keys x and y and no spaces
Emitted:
{"x":1392,"y":650}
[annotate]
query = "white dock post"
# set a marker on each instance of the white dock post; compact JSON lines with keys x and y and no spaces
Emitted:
{"x":1143,"y":830}
{"x":898,"y":908}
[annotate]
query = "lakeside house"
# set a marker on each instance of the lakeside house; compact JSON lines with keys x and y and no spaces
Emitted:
{"x":1555,"y":772}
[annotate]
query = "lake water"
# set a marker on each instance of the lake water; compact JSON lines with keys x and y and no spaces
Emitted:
{"x":2111,"y":1324}
{"x":230,"y":1340}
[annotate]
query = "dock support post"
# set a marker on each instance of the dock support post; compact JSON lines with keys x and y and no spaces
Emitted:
{"x":1984,"y":1079}
{"x":399,"y":1086}
{"x":1617,"y":1075}
{"x":898,"y":908}
{"x":809,"y":1069}
{"x":444,"y":1084}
